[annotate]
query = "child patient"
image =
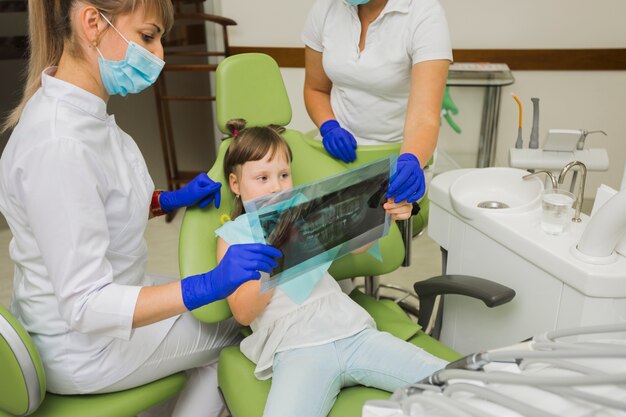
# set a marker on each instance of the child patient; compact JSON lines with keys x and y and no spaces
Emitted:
{"x":310,"y":347}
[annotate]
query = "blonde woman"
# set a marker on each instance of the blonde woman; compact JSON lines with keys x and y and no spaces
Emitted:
{"x":77,"y":195}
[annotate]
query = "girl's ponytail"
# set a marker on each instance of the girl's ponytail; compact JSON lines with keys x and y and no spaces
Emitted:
{"x":235,"y":126}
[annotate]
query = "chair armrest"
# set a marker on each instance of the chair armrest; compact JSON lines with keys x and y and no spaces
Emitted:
{"x":489,"y":292}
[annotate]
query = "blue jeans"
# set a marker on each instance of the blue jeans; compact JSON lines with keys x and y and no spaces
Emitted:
{"x":306,"y":381}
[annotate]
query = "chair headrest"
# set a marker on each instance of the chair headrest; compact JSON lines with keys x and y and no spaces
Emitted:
{"x":251,"y":87}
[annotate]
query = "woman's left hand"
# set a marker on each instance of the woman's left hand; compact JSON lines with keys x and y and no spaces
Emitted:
{"x":398,"y":211}
{"x":408,"y":182}
{"x":202,"y":190}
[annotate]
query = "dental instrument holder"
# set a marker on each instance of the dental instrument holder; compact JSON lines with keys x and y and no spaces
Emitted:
{"x":562,"y":146}
{"x":519,"y":142}
{"x":580,"y":145}
{"x":534,"y":133}
{"x":595,"y":159}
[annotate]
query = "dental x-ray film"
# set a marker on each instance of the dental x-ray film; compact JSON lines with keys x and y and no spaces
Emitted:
{"x":320,"y":222}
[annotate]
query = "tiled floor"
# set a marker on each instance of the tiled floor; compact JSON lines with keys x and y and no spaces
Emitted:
{"x":162,"y":241}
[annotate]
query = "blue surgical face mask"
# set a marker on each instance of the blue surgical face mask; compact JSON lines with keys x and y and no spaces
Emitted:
{"x":137,"y":71}
{"x":357,"y":2}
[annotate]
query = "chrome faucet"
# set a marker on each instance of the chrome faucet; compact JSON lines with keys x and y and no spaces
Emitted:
{"x":548,"y":173}
{"x":581,"y":187}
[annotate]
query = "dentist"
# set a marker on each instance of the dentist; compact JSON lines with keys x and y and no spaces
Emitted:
{"x":77,"y":195}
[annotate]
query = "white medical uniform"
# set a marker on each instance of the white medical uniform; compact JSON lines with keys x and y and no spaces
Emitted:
{"x":76,"y":191}
{"x":371,"y":88}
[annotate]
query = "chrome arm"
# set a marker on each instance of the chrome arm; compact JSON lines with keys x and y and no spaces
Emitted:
{"x":548,"y":173}
{"x":581,"y":187}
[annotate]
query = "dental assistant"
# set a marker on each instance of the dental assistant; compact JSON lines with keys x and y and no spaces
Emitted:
{"x":376,"y":72}
{"x":77,"y":196}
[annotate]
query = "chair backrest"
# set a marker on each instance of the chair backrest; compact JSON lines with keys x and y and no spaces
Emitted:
{"x":250,"y":87}
{"x":364,"y":154}
{"x":239,"y":96}
{"x":22,"y":379}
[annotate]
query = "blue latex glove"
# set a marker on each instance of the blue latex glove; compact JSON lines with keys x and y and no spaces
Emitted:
{"x":241,"y":263}
{"x":408,"y":182}
{"x":338,"y":141}
{"x":201,"y":190}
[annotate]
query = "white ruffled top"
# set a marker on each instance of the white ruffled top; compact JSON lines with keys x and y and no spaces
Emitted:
{"x":327,"y":315}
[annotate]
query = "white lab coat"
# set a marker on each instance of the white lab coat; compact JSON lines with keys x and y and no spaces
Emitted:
{"x":75,"y":191}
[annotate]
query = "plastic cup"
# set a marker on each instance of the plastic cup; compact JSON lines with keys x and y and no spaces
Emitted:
{"x":556,"y":211}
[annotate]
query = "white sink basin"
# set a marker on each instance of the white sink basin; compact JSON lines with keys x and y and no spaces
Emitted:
{"x":501,"y":190}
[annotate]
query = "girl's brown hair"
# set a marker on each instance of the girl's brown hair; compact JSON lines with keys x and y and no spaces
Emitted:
{"x":252,"y":144}
{"x":50,"y":34}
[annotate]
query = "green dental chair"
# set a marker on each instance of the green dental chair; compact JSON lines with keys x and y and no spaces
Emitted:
{"x":23,"y":384}
{"x":250,"y":86}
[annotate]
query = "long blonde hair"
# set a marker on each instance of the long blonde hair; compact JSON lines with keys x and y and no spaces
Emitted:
{"x":50,"y":33}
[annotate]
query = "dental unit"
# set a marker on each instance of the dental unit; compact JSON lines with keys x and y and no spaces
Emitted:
{"x":575,"y":278}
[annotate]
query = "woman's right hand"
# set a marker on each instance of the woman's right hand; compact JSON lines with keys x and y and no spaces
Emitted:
{"x":338,"y":141}
{"x":241,"y":263}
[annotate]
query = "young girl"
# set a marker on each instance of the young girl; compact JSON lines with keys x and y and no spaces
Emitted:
{"x":312,"y":349}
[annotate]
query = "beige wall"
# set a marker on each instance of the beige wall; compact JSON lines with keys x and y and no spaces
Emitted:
{"x":536,"y":23}
{"x":473,"y":24}
{"x":569,"y":100}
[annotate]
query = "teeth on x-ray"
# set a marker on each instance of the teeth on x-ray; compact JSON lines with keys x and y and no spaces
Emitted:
{"x":320,"y":222}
